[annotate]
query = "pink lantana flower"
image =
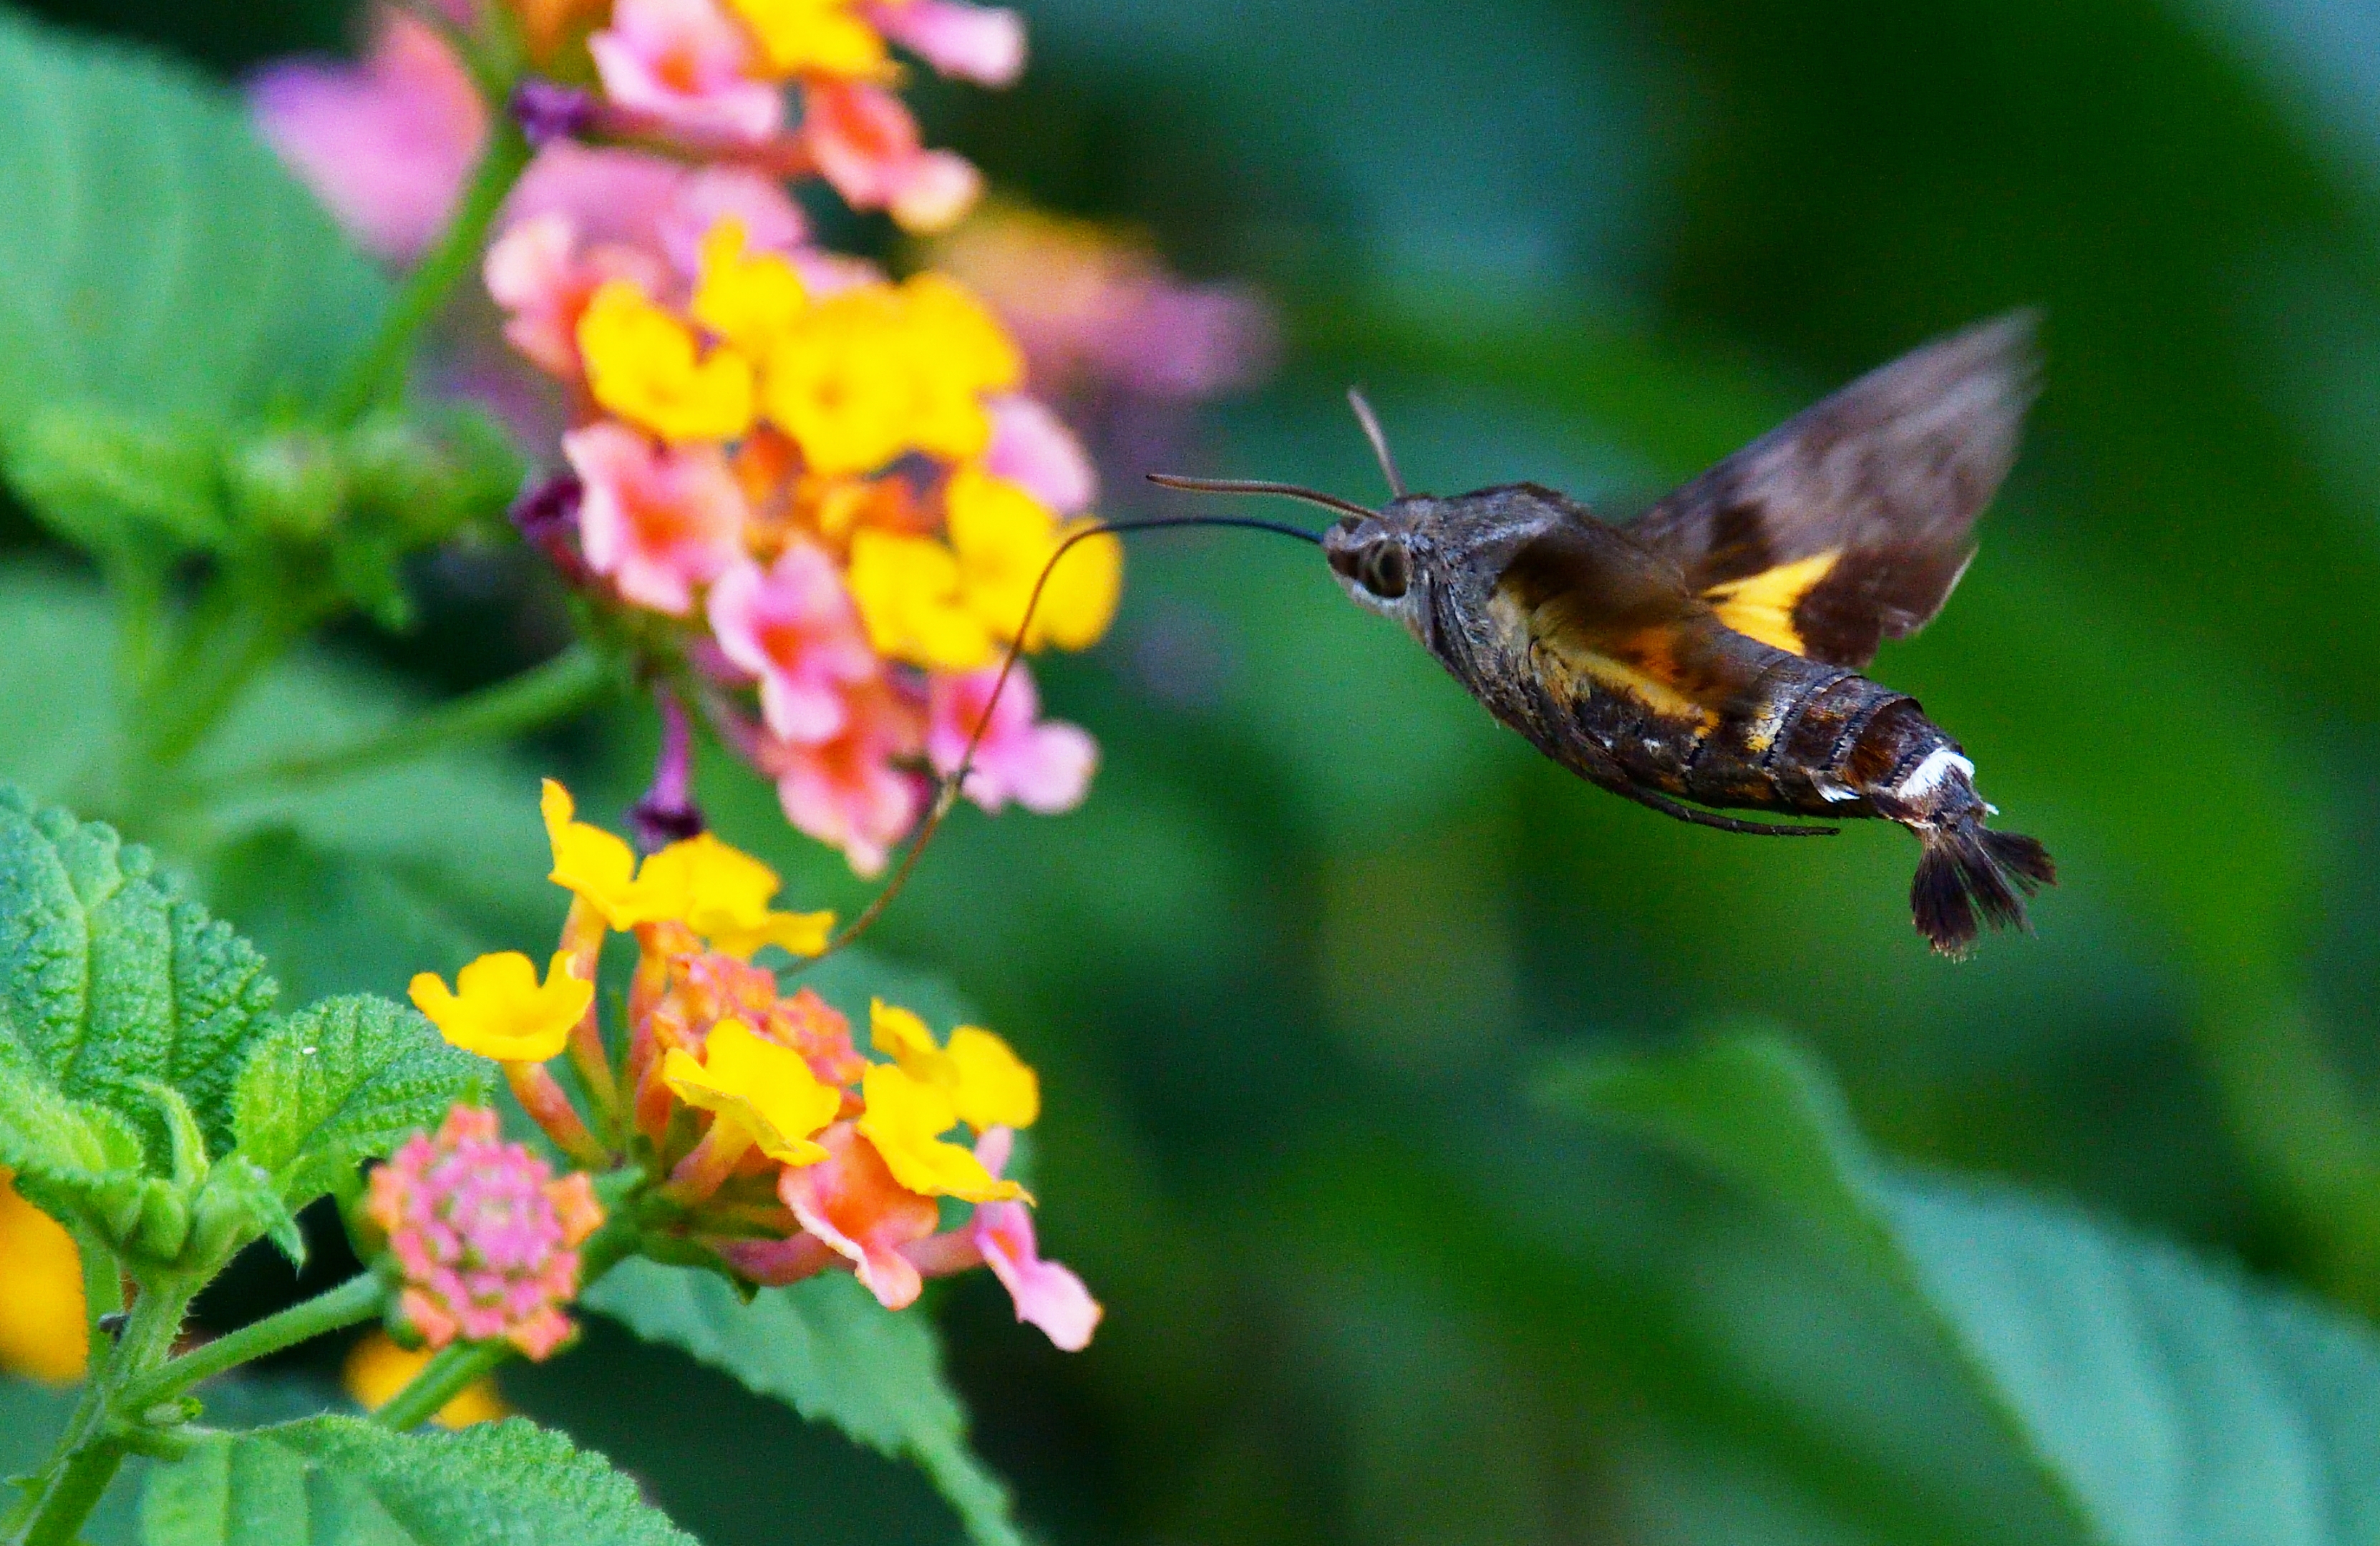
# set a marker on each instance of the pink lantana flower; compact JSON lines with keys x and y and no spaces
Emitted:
{"x":865,"y":144}
{"x":793,"y":626}
{"x":485,"y":1240}
{"x":1032,"y":446}
{"x":1047,"y":1294}
{"x":850,"y":1202}
{"x":542,"y":276}
{"x":682,"y":63}
{"x":1043,"y":766}
{"x":770,"y":221}
{"x":982,"y":43}
{"x":387,"y":144}
{"x":847,"y":792}
{"x":659,"y":522}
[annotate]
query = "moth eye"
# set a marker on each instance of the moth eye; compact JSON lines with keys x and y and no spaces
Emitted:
{"x":1388,"y":571}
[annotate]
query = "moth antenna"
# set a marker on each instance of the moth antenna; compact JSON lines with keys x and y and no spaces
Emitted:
{"x":1372,"y":432}
{"x":1250,"y":485}
{"x":946,"y":794}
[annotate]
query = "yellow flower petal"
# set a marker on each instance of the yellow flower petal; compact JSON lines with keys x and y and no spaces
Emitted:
{"x":766,"y":1089}
{"x":590,"y":862}
{"x":498,"y":1010}
{"x":43,"y":1329}
{"x":1080,"y":599}
{"x":907,"y":590}
{"x":905,"y":1121}
{"x":750,"y":299}
{"x":722,"y":894}
{"x":995,"y":1089}
{"x":642,"y":363}
{"x":988,"y":1084}
{"x":842,"y":383}
{"x":814,"y":37}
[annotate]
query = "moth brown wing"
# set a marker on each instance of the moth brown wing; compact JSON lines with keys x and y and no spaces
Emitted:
{"x":1850,"y":522}
{"x":1600,"y":606}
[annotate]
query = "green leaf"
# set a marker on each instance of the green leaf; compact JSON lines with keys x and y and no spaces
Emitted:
{"x":111,"y":482}
{"x":341,"y":1082}
{"x":2166,"y":1401}
{"x":830,"y":1351}
{"x":156,"y":256}
{"x":338,"y":1481}
{"x":109,"y":984}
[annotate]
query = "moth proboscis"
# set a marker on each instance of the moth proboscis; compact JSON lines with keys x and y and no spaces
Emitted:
{"x":1708,"y":656}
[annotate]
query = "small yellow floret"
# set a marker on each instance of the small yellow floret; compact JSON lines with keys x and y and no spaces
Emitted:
{"x":42,"y":1327}
{"x":722,"y":894}
{"x":905,"y":1121}
{"x":765,"y":1090}
{"x":843,"y":384}
{"x":377,"y":1368}
{"x":750,"y":299}
{"x":989,"y":1085}
{"x":498,"y":1009}
{"x":588,"y":860}
{"x":814,"y":37}
{"x":642,"y":363}
{"x":910,"y":597}
{"x":1004,"y":539}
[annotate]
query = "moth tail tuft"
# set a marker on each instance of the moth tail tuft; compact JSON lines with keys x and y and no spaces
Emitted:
{"x":1969,"y":878}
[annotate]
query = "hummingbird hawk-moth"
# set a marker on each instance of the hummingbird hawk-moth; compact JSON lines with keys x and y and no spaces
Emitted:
{"x":1708,"y":656}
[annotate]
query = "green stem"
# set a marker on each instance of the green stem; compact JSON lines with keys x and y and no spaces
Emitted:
{"x":379,"y":372}
{"x":540,"y":696}
{"x":445,"y":1375}
{"x":359,"y":1299}
{"x":102,"y":1287}
{"x":91,"y":1449}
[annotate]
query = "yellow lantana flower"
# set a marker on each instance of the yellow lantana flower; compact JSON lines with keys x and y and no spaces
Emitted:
{"x":910,"y":598}
{"x":719,"y":892}
{"x":904,"y":1120}
{"x":42,"y":1330}
{"x":843,"y":384}
{"x":1004,"y":539}
{"x":750,"y":299}
{"x":643,"y":364}
{"x":814,"y":37}
{"x":498,"y":1009}
{"x":595,"y":864}
{"x":765,"y":1090}
{"x":962,"y":353}
{"x":989,"y":1085}
{"x":722,"y":894}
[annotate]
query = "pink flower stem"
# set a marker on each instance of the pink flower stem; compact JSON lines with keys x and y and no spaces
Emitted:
{"x":582,"y":939}
{"x":551,"y":1109}
{"x":707,"y":1166}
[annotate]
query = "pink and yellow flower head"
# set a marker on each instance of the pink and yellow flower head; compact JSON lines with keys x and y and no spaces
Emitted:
{"x":482,"y":1238}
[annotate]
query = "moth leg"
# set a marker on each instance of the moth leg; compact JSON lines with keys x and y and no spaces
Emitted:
{"x":1700,"y":817}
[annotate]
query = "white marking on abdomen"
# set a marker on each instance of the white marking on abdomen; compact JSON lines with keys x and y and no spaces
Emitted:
{"x":1833,"y":789}
{"x":1931,"y":772}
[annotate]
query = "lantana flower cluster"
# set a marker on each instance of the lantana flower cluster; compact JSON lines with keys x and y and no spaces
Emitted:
{"x":768,"y":1142}
{"x":828,"y":503}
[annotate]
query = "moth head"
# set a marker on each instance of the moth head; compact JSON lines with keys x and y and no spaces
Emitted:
{"x":1381,"y":561}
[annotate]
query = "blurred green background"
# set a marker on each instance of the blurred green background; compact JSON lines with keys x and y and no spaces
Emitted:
{"x":1290,"y":971}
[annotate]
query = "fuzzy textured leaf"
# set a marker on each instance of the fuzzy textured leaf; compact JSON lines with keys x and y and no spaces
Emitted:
{"x":340,"y":1082}
{"x":338,"y":1481}
{"x":110,"y":985}
{"x":2166,"y":1401}
{"x":831,"y":1352}
{"x":156,"y":256}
